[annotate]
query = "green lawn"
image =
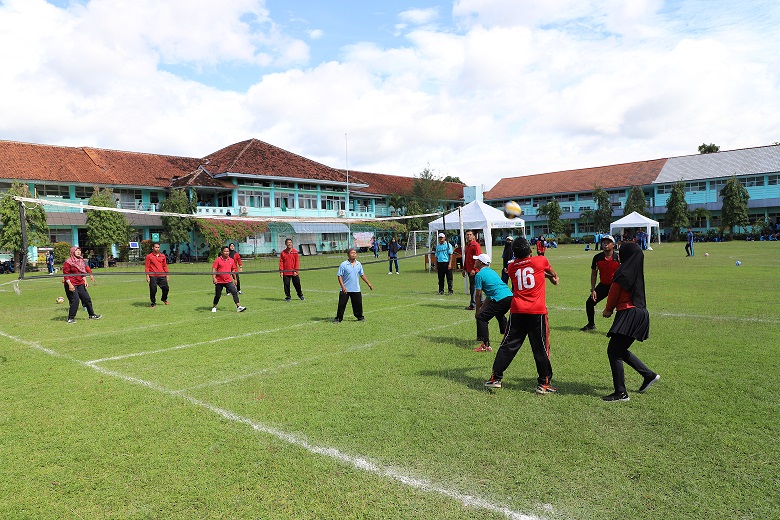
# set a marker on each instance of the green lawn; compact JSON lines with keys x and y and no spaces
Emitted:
{"x":175,"y":412}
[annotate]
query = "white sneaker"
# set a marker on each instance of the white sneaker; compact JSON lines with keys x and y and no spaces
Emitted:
{"x":240,"y":309}
{"x":213,"y":309}
{"x":391,"y":272}
{"x":397,"y":272}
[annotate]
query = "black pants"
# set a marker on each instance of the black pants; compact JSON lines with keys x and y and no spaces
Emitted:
{"x":162,"y":283}
{"x":602,"y":291}
{"x":443,"y":269}
{"x":390,"y":262}
{"x":491,"y":310}
{"x":230,"y":288}
{"x":471,"y":289}
{"x":534,"y":326}
{"x":238,"y":281}
{"x":296,"y":281}
{"x":79,"y":293}
{"x":357,"y":304}
{"x":617,"y":352}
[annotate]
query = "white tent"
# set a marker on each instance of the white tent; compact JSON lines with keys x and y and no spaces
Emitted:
{"x":478,"y":215}
{"x":635,"y":220}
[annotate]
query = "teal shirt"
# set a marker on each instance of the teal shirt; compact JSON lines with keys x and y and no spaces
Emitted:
{"x":443,"y":252}
{"x":491,"y":285}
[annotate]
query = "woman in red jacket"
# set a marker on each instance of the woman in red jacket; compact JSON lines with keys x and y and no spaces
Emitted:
{"x":632,"y":321}
{"x":75,"y":271}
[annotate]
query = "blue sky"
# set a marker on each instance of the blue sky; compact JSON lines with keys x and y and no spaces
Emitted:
{"x":480,"y":89}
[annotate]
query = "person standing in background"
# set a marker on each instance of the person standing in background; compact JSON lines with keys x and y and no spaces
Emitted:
{"x":443,"y":269}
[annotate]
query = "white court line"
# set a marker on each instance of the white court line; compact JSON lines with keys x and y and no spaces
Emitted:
{"x":357,"y":462}
{"x":708,"y":317}
{"x":222,"y":338}
{"x":285,"y":366}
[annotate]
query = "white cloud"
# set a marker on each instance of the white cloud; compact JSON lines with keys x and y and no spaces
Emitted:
{"x":419,"y":16}
{"x":519,"y":88}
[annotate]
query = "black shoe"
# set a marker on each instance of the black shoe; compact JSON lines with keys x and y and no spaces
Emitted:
{"x":337,"y":320}
{"x":470,"y":308}
{"x":588,"y":327}
{"x":441,"y":292}
{"x":152,"y":305}
{"x":287,"y":299}
{"x":301,"y":297}
{"x":449,"y":293}
{"x":648,"y":382}
{"x":362,"y":318}
{"x":616,"y":397}
{"x":95,"y":317}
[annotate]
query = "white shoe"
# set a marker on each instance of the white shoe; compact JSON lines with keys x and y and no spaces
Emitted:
{"x":397,"y":272}
{"x":391,"y":272}
{"x":213,"y":309}
{"x":240,"y":309}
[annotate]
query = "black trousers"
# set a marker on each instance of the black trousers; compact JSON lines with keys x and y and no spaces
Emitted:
{"x":471,"y":289}
{"x":602,"y":291}
{"x":357,"y":304}
{"x":618,"y":353}
{"x":536,"y":328}
{"x":230,"y":288}
{"x":238,"y":282}
{"x":154,"y":283}
{"x":79,"y":293}
{"x":443,"y":270}
{"x":296,"y":281}
{"x":491,"y":310}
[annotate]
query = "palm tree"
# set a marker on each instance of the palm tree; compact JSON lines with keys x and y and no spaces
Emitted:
{"x":397,"y":202}
{"x":587,"y":215}
{"x":699,"y":215}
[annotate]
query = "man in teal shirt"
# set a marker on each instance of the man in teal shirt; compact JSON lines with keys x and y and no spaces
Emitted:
{"x":443,"y":254}
{"x":499,"y":299}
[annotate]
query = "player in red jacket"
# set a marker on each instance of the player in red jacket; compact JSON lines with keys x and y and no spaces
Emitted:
{"x":471,"y":251}
{"x":528,"y":316}
{"x":157,"y":274}
{"x":239,"y":265}
{"x":223,"y":270}
{"x":289,"y":264}
{"x":75,"y":271}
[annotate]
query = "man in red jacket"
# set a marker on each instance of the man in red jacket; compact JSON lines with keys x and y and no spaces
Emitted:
{"x":223,"y":272}
{"x":157,"y":274}
{"x":289,"y":264}
{"x":471,"y":251}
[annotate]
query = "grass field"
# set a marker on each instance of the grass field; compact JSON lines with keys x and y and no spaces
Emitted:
{"x":175,"y":412}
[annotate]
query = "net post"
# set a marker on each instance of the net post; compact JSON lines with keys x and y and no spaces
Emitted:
{"x":23,"y":252}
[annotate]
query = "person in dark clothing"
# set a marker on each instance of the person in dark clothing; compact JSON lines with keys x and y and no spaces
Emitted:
{"x":506,"y":257}
{"x":632,"y":321}
{"x":392,"y":255}
{"x":603,"y":267}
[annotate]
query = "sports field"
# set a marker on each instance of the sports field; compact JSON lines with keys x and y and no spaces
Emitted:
{"x":176,"y":412}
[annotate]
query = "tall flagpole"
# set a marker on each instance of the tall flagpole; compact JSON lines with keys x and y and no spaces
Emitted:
{"x":346,"y":160}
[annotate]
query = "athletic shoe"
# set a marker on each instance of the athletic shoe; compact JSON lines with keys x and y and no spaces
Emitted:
{"x":483,"y":348}
{"x":545,"y":389}
{"x":588,"y":327}
{"x":95,"y":317}
{"x":493,"y":383}
{"x":397,"y":272}
{"x":362,"y":318}
{"x":449,"y":293}
{"x":240,"y":309}
{"x":71,"y":321}
{"x":239,"y":292}
{"x":152,"y":306}
{"x":166,"y":302}
{"x":336,"y":320}
{"x":470,"y":308}
{"x":648,"y":382}
{"x":301,"y":297}
{"x":616,"y":397}
{"x":287,"y":299}
{"x":441,"y":292}
{"x":391,"y":272}
{"x":213,"y":309}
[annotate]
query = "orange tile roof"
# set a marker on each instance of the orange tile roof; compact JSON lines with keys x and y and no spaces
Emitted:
{"x":572,"y":181}
{"x":382,"y":184}
{"x":256,"y":157}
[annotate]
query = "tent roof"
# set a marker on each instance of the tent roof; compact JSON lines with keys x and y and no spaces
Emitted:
{"x":476,"y":215}
{"x":634,"y":219}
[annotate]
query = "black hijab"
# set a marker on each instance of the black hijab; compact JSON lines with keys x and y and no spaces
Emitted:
{"x":631,"y":273}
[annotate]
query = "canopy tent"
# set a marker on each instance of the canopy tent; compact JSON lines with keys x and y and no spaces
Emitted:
{"x":477,"y":215}
{"x":635,"y":220}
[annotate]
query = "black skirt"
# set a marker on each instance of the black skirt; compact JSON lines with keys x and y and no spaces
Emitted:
{"x":632,"y":322}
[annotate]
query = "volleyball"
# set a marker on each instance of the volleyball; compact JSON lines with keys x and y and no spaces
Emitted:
{"x":60,"y":299}
{"x":512,"y":209}
{"x":706,"y":254}
{"x":739,"y":263}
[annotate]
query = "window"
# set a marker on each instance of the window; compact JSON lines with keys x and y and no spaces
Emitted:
{"x":254,"y":199}
{"x":84,"y":192}
{"x":154,"y":197}
{"x":332,"y":202}
{"x":585,"y":196}
{"x":287,"y":185}
{"x":663,"y":189}
{"x":752,"y":182}
{"x":4,"y":187}
{"x":53,"y":191}
{"x":262,"y":184}
{"x":307,"y":201}
{"x":334,"y":237}
{"x":773,"y":180}
{"x":284,"y":201}
{"x":310,"y":187}
{"x":695,"y":186}
{"x":60,"y":235}
{"x":224,"y":200}
{"x":565,"y":198}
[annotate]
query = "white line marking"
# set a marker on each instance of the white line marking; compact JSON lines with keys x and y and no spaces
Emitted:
{"x":708,"y":317}
{"x":357,"y":462}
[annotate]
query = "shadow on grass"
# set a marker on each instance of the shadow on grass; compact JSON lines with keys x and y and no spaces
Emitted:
{"x":466,"y":344}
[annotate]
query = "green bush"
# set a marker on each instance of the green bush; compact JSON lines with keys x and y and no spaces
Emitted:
{"x":124,"y":253}
{"x":61,"y":252}
{"x":146,"y":247}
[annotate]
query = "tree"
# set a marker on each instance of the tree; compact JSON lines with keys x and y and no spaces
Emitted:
{"x":700,"y":216}
{"x":414,"y":208}
{"x":11,"y":232}
{"x":218,"y":233}
{"x":709,"y":148}
{"x":428,"y":191}
{"x":587,"y":216}
{"x":602,"y":216}
{"x":735,"y":205}
{"x":177,"y":229}
{"x":105,"y":228}
{"x":636,"y":202}
{"x":450,"y":178}
{"x":397,"y":202}
{"x":552,"y":210}
{"x":677,"y":210}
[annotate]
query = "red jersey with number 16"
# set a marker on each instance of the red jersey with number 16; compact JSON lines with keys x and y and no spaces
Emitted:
{"x":529,"y":287}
